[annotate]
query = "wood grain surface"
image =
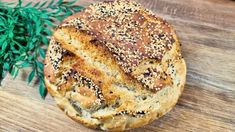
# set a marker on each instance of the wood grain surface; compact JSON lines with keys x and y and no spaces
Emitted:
{"x":206,"y":29}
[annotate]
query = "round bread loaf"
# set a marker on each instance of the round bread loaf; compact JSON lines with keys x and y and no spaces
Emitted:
{"x":115,"y":66}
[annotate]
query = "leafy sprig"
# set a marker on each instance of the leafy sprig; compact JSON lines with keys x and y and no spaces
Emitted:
{"x":24,"y":34}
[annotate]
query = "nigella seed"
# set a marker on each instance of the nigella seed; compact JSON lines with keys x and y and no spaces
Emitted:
{"x":144,"y":97}
{"x":161,"y":35}
{"x":146,"y":74}
{"x":79,"y":27}
{"x":140,"y":112}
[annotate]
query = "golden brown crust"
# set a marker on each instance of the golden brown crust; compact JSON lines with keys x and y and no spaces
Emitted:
{"x":115,"y":66}
{"x":132,"y":34}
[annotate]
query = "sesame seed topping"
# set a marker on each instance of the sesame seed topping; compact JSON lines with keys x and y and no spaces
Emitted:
{"x":131,"y":33}
{"x":55,"y":54}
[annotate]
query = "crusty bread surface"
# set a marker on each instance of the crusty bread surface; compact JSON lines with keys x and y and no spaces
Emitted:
{"x":115,"y":66}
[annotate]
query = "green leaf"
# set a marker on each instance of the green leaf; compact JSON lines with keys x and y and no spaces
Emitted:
{"x":39,"y":29}
{"x":71,"y":2}
{"x":13,"y":71}
{"x":16,"y":73}
{"x":4,"y":46}
{"x":45,"y":16}
{"x":3,"y":39}
{"x":11,"y":34}
{"x":34,"y":40}
{"x":43,"y":4}
{"x":5,"y":56}
{"x":51,"y":3}
{"x":44,"y":40}
{"x":28,"y":4}
{"x":2,"y":23}
{"x":48,"y":23}
{"x":42,"y":89}
{"x":59,"y":2}
{"x":30,"y":58}
{"x":19,"y":3}
{"x":31,"y":76}
{"x":47,"y":31}
{"x":6,"y":66}
{"x":77,"y":8}
{"x":19,"y":58}
{"x":40,"y":65}
{"x":25,"y":64}
{"x":42,"y":53}
{"x":68,"y":13}
{"x":30,"y":45}
{"x":56,"y":12}
{"x":19,"y":38}
{"x":36,"y":5}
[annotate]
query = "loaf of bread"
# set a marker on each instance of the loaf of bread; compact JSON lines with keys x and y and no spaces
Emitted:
{"x":115,"y":66}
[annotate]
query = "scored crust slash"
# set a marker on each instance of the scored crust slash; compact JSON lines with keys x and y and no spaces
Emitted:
{"x":115,"y":66}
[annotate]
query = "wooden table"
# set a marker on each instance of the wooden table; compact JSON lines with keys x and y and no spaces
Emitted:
{"x":206,"y":29}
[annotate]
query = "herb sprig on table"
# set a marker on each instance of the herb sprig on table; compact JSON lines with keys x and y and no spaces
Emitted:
{"x":24,"y":34}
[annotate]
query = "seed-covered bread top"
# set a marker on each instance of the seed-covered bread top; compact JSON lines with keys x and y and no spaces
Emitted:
{"x":115,"y":66}
{"x":131,"y":33}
